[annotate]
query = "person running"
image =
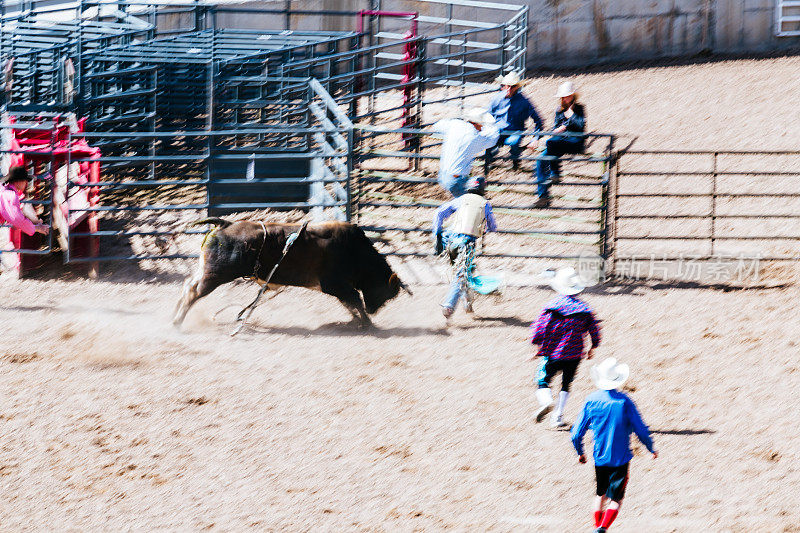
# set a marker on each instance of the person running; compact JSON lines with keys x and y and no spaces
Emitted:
{"x":570,"y":122}
{"x":464,"y":139}
{"x":559,"y":333}
{"x":471,"y":211}
{"x":612,"y":417}
{"x":511,"y":110}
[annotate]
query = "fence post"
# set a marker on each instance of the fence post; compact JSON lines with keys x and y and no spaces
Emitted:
{"x":354,"y":165}
{"x":348,"y":208}
{"x":422,"y":52}
{"x":611,"y":228}
{"x":713,"y":201}
{"x":604,"y":202}
{"x":503,"y":46}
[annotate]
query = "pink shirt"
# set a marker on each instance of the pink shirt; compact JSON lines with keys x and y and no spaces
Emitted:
{"x":11,"y":210}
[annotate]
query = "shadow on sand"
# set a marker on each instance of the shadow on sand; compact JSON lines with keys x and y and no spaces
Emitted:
{"x":52,"y":268}
{"x":505,"y":320}
{"x":72,"y":309}
{"x":623,"y":286}
{"x":343,"y":329}
{"x":687,"y":432}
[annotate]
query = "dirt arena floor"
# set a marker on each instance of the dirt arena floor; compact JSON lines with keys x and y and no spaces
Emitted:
{"x":111,"y":419}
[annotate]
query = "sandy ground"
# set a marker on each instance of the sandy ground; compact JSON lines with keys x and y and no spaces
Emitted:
{"x":111,"y":419}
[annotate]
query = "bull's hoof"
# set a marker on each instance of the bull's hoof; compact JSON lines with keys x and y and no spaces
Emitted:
{"x":365,"y":324}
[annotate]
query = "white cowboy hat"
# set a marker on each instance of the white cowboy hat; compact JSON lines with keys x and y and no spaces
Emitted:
{"x":566,"y":89}
{"x":512,"y":79}
{"x":609,"y":374}
{"x":478,"y":116}
{"x":566,"y":281}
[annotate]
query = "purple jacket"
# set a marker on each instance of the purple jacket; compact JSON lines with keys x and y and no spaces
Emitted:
{"x":560,"y":328}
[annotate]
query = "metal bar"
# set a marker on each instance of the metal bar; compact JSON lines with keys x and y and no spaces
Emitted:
{"x":131,"y":258}
{"x":492,"y":255}
{"x":711,"y":237}
{"x":703,"y":173}
{"x":382,"y":229}
{"x":708,"y":195}
{"x":706,"y":258}
{"x":514,"y":207}
{"x":705,"y":215}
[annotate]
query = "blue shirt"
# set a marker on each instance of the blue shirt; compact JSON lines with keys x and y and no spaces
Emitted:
{"x":613,"y":417}
{"x":512,"y":113}
{"x":448,"y":208}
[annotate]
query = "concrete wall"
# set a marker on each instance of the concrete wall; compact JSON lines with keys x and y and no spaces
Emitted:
{"x":578,"y":32}
{"x":575,"y":32}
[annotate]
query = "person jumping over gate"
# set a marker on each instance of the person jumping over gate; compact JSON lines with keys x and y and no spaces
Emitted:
{"x":612,"y":416}
{"x":464,"y":140}
{"x":471,"y":210}
{"x":559,"y":333}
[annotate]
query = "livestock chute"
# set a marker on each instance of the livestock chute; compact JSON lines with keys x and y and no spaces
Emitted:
{"x":64,"y":190}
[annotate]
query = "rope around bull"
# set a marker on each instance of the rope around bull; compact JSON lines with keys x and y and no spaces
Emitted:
{"x":245,"y":313}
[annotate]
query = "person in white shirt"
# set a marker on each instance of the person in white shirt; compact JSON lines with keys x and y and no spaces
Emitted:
{"x":464,"y":139}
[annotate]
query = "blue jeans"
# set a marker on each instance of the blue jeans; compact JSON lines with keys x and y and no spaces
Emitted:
{"x":462,"y":253}
{"x":514,"y":143}
{"x":555,"y":147}
{"x":456,"y":185}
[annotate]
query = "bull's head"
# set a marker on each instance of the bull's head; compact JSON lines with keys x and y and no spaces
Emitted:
{"x":394,"y":279}
{"x":377,"y":295}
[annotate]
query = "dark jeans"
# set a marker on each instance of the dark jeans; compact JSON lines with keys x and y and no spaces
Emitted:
{"x":556,"y":146}
{"x":514,"y":143}
{"x":550,"y":367}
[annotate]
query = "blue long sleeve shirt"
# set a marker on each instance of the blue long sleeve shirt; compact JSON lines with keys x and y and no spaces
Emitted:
{"x":448,"y":208}
{"x":612,"y":416}
{"x":512,"y":113}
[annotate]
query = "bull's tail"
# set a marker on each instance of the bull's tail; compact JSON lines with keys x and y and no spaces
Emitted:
{"x":221,"y":222}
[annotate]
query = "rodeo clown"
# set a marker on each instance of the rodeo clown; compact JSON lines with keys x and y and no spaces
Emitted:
{"x":559,"y":333}
{"x":471,"y":210}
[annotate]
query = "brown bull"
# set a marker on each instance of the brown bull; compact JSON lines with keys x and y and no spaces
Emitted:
{"x":333,"y":257}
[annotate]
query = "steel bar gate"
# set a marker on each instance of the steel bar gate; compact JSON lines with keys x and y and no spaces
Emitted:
{"x":704,"y":206}
{"x":398,"y":205}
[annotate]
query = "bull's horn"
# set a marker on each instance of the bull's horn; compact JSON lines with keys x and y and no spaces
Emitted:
{"x":212,"y":220}
{"x":405,"y":287}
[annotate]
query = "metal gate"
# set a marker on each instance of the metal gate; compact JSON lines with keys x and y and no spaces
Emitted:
{"x":706,"y":209}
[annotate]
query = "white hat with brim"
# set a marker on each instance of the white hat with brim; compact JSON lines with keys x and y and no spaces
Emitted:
{"x":566,"y":89}
{"x":610,"y":374}
{"x":478,"y":116}
{"x":512,"y":79}
{"x":566,"y":281}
